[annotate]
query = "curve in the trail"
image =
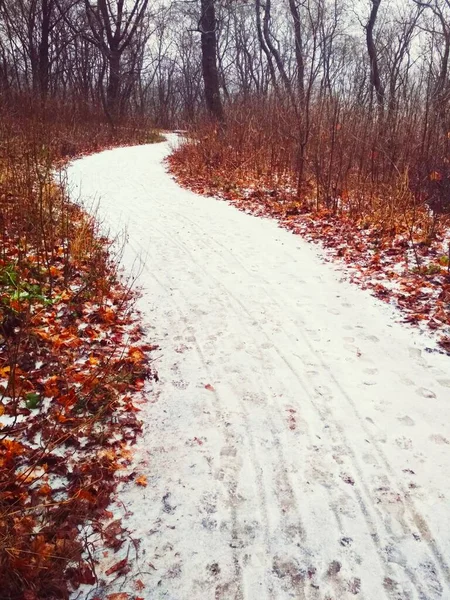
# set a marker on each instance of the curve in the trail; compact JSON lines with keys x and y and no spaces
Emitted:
{"x":298,"y":443}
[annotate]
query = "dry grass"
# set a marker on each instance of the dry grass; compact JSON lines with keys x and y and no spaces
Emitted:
{"x":64,"y":390}
{"x":379,"y":174}
{"x":375,"y":197}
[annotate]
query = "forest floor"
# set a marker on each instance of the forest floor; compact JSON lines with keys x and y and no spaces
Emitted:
{"x":297,"y":442}
{"x":390,"y":252}
{"x":72,"y":366}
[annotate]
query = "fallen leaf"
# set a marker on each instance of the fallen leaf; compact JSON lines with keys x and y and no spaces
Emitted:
{"x":444,"y":342}
{"x":136,"y":354}
{"x":5,"y":371}
{"x":45,"y":490}
{"x":209,"y":387}
{"x":117,"y":567}
{"x":142,"y":481}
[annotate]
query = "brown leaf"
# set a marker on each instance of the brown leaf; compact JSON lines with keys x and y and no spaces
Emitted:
{"x":444,"y":342}
{"x":142,"y":481}
{"x":117,"y":567}
{"x":114,"y":528}
{"x":136,"y":354}
{"x":85,"y":575}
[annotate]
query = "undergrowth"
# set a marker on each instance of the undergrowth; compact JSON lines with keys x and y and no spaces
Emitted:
{"x":71,"y":357}
{"x":384,"y":213}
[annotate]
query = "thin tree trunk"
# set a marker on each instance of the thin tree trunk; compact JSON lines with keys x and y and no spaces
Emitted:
{"x":44,"y":61}
{"x":375,"y":79}
{"x":207,"y":27}
{"x":298,"y":49}
{"x":273,"y":50}
{"x":113,"y":89}
{"x":263,"y":45}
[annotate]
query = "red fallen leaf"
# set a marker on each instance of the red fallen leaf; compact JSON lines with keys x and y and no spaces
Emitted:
{"x":209,"y":387}
{"x":85,"y":575}
{"x":51,"y":387}
{"x":107,"y":315}
{"x":380,"y":291}
{"x":444,"y":342}
{"x":12,"y":447}
{"x":139,"y":585}
{"x":85,"y":495}
{"x":119,"y":596}
{"x":117,"y":567}
{"x":149,"y":347}
{"x":114,"y":528}
{"x":62,"y":419}
{"x":414,"y":318}
{"x":45,"y":490}
{"x":199,"y":442}
{"x":68,"y":399}
{"x":440,"y":315}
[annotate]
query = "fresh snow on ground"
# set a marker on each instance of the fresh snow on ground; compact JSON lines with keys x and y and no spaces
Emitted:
{"x":297,"y":444}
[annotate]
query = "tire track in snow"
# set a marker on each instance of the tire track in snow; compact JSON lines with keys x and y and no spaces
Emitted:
{"x":361,"y":503}
{"x":229,"y":450}
{"x":287,"y":486}
{"x":342,"y":439}
{"x":260,"y":509}
{"x":415,"y":517}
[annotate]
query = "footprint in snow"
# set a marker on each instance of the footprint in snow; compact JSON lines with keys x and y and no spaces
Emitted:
{"x":404,"y":443}
{"x":439,"y":439}
{"x":181,"y":385}
{"x":425,"y":393}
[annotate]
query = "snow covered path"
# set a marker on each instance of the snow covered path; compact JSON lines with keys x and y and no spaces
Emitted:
{"x":297,"y":445}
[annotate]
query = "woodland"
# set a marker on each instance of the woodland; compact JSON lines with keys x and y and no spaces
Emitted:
{"x":332,"y":116}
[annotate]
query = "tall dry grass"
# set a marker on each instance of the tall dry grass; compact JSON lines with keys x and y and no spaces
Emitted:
{"x":383,"y":172}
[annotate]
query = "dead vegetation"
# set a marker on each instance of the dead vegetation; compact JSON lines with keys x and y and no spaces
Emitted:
{"x":374,"y":194}
{"x":72,"y":358}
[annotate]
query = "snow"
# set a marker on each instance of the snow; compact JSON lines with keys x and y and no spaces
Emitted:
{"x":297,"y":444}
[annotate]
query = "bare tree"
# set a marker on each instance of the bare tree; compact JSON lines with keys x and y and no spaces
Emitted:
{"x":375,"y":78}
{"x":30,"y":23}
{"x":208,"y":27}
{"x":113,"y":26}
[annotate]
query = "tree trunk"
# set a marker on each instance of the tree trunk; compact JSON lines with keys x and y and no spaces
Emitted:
{"x":207,"y":27}
{"x":298,"y":49}
{"x":44,"y":61}
{"x":374,"y":68}
{"x":273,"y":50}
{"x":113,"y":89}
{"x":263,"y":45}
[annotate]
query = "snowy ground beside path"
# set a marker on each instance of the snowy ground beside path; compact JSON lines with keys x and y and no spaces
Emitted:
{"x":298,"y":443}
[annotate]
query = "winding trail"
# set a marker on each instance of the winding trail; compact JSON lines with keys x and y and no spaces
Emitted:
{"x":298,"y":443}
